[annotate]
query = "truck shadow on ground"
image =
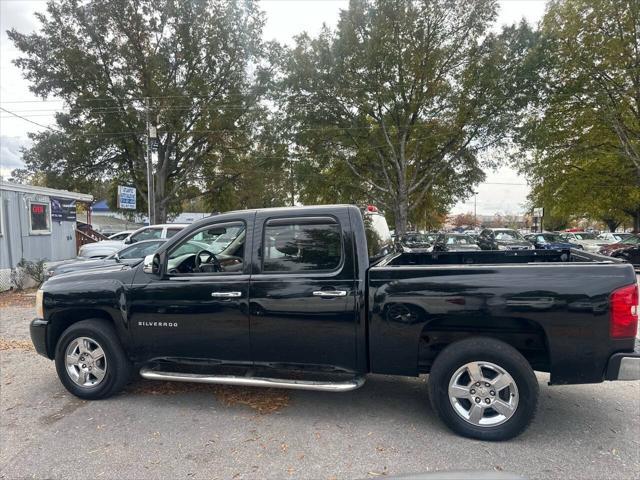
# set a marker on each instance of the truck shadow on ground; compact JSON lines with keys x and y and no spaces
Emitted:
{"x":403,"y":402}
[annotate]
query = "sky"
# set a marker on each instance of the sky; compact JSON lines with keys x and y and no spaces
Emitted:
{"x":504,"y":190}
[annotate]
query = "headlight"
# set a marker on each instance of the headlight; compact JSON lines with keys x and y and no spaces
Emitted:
{"x":406,"y":250}
{"x":502,"y":247}
{"x":39,"y":304}
{"x":50,"y":273}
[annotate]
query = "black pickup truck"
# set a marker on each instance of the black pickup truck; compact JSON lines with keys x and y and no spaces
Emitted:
{"x":313,"y":298}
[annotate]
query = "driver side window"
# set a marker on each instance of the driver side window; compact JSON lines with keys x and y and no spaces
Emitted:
{"x":215,"y":249}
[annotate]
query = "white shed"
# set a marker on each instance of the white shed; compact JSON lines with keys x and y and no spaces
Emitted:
{"x":36,"y":223}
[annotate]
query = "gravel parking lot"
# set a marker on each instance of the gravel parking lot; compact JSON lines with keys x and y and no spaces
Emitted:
{"x":161,"y":430}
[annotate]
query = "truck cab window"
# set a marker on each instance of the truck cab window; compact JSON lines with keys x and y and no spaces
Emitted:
{"x":214,"y":249}
{"x":298,"y":247}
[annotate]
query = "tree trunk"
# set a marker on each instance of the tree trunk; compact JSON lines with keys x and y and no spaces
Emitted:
{"x":401,"y":212}
{"x":611,"y":224}
{"x":160,"y":200}
{"x":636,"y":221}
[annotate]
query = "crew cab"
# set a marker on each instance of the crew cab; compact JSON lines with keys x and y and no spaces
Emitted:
{"x":313,"y":298}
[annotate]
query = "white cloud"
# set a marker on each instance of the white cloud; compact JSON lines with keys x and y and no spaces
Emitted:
{"x":10,"y":155}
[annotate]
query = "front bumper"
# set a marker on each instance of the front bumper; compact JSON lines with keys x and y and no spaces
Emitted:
{"x":38,"y":330}
{"x":624,"y":366}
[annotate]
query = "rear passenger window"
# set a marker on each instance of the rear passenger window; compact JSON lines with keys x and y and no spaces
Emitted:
{"x":301,"y":245}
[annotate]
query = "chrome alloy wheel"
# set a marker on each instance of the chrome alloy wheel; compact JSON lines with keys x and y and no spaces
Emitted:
{"x":85,"y":362}
{"x":483,"y":394}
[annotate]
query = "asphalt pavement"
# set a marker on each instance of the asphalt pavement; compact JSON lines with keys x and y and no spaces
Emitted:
{"x":161,"y":430}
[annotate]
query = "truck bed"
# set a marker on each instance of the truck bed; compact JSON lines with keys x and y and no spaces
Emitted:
{"x":553,"y":304}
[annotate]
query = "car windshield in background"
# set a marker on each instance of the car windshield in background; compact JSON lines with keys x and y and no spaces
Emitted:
{"x":632,"y":240}
{"x":418,"y":238}
{"x":621,"y":237}
{"x":508,"y":235}
{"x":459,"y":240}
{"x":585,"y":236}
{"x":550,"y":238}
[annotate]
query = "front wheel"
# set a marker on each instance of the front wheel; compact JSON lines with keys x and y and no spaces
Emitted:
{"x":483,"y":388}
{"x":90,"y":361}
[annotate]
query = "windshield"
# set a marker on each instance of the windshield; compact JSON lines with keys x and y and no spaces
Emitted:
{"x":619,"y":237}
{"x":418,"y":238}
{"x":632,"y":240}
{"x":508,"y":235}
{"x":459,"y":240}
{"x":585,"y":236}
{"x":550,"y":238}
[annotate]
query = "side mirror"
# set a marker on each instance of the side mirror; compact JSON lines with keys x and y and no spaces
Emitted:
{"x":151,"y":264}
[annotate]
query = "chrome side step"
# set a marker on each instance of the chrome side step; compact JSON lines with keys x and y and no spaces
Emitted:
{"x":344,"y":386}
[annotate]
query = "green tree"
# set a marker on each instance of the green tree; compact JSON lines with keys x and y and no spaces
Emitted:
{"x":200,"y":65}
{"x":397,"y":104}
{"x":584,"y":131}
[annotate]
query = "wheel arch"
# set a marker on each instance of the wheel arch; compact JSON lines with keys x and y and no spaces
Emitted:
{"x":63,"y":319}
{"x":526,"y":336}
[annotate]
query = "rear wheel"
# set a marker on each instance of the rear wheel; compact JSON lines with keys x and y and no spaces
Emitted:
{"x":483,"y":388}
{"x":90,"y":361}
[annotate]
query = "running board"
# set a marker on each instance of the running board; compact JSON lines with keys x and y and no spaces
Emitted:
{"x":345,"y":386}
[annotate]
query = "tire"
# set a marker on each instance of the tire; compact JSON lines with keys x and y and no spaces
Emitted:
{"x":515,"y":404}
{"x":107,"y":370}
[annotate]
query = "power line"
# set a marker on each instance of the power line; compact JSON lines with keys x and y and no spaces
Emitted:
{"x":27,"y":120}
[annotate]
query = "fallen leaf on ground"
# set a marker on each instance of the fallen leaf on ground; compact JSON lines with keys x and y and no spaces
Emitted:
{"x":13,"y":298}
{"x":263,"y":400}
{"x":7,"y":344}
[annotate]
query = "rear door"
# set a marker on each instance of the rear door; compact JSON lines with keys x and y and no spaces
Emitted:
{"x":302,"y":300}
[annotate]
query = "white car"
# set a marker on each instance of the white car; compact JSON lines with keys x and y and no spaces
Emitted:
{"x":107,"y":247}
{"x":589,"y":241}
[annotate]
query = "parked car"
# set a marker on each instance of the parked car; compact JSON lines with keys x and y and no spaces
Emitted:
{"x":299,"y":299}
{"x":630,"y":254}
{"x":550,"y":241}
{"x":454,"y":242}
{"x":589,"y":241}
{"x":107,"y":247}
{"x":502,"y":239}
{"x":129,"y":255}
{"x":416,"y":242}
{"x":627,"y":242}
{"x":121,"y":235}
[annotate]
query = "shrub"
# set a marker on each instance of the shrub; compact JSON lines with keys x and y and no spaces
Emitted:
{"x":36,"y":270}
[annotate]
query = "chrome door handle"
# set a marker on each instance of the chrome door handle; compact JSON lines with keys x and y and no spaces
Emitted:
{"x":226,"y":294}
{"x":330,"y":293}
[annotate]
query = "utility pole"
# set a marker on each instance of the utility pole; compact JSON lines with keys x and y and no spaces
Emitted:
{"x":150,"y":189}
{"x":475,"y":210}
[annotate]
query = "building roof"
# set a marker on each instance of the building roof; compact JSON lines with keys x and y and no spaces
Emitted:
{"x":16,"y":187}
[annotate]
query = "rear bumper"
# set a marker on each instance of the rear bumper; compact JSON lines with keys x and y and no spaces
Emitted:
{"x":624,"y":366}
{"x":38,"y":330}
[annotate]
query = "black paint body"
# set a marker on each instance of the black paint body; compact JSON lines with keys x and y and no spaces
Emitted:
{"x":389,"y":321}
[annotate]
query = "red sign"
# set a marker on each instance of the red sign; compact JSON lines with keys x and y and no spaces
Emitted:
{"x":37,"y":208}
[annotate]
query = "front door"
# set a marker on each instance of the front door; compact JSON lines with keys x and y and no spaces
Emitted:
{"x":199,"y":308}
{"x":302,"y":291}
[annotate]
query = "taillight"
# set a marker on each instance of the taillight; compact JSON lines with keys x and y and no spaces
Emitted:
{"x":624,"y":312}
